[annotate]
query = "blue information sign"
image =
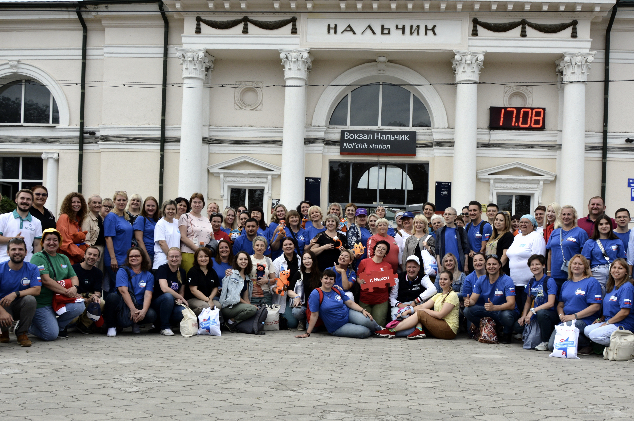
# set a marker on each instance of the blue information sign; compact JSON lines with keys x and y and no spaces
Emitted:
{"x":630,"y":182}
{"x":632,"y":195}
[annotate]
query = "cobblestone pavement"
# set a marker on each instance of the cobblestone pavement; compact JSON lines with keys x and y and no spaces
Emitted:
{"x":238,"y":377}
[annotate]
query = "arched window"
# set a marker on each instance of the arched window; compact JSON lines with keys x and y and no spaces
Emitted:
{"x":380,"y":104}
{"x":27,"y":102}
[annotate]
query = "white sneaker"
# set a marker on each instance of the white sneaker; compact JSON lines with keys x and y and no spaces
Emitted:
{"x":542,"y":347}
{"x":301,"y":326}
{"x":136,"y":328}
{"x":112,"y":331}
{"x":167,"y":332}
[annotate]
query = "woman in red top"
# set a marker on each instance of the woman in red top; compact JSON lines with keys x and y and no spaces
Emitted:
{"x":381,"y":235}
{"x":73,"y":211}
{"x":376,"y":302}
{"x":552,"y":220}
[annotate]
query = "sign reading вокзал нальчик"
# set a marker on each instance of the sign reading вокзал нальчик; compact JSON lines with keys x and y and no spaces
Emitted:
{"x":374,"y":142}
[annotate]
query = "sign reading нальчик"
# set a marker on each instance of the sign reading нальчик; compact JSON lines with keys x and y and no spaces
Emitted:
{"x":374,"y":142}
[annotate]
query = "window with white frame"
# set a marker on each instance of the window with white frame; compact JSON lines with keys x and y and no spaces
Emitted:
{"x":27,"y":102}
{"x":19,"y":173}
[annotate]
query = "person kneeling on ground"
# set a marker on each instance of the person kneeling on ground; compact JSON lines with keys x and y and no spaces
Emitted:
{"x":441,"y":322}
{"x":90,"y":282}
{"x":19,"y":284}
{"x":333,"y":306}
{"x":134,"y":285}
{"x":499,"y":292}
{"x":169,"y":298}
{"x":203,"y":282}
{"x":617,"y":305}
{"x":236,"y":292}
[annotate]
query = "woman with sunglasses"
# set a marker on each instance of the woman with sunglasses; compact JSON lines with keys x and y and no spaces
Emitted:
{"x":40,"y":195}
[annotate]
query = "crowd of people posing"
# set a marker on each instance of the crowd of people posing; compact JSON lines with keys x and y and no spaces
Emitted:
{"x":109,"y":264}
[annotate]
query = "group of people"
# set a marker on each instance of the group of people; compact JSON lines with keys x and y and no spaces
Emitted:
{"x":108,"y":264}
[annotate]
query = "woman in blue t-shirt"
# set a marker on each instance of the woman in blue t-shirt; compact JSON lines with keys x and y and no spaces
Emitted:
{"x":144,"y":225}
{"x":222,"y":261}
{"x":579,"y":301}
{"x":118,"y":232}
{"x":333,"y":306}
{"x":541,"y":291}
{"x":617,"y":305}
{"x":602,"y":249}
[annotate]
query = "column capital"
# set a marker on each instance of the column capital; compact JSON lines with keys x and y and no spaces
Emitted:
{"x":50,"y":155}
{"x":467,"y":65}
{"x":297,"y":63}
{"x":574,"y":67}
{"x":196,"y":62}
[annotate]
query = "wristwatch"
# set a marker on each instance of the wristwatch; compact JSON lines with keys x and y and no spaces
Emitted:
{"x":533,"y":311}
{"x":17,"y":294}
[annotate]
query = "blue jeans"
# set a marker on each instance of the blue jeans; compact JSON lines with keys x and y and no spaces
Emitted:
{"x":293,"y":315}
{"x":506,"y":318}
{"x":46,"y":325}
{"x":599,"y":334}
{"x":113,"y":305}
{"x":583,"y":340}
{"x":168,"y":311}
{"x":358,"y":326}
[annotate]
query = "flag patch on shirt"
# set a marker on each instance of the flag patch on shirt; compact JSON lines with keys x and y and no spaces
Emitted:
{"x":597,"y":297}
{"x":627,"y":302}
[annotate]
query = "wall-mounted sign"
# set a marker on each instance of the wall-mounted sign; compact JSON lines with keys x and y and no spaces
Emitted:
{"x":374,"y":142}
{"x":517,"y":118}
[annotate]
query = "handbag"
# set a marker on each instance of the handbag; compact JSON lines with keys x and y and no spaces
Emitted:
{"x":488,"y":335}
{"x":566,"y":341}
{"x":209,"y":322}
{"x":189,"y":324}
{"x":621,"y":346}
{"x":532,"y":334}
{"x":272,"y":321}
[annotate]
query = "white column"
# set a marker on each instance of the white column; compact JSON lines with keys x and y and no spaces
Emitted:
{"x":574,"y":69}
{"x":466,"y":65}
{"x":197,"y":63}
{"x":297,"y":64}
{"x":52,"y":172}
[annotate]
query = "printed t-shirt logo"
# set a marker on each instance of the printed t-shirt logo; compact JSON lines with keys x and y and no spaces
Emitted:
{"x":579,"y":291}
{"x":615,"y":247}
{"x":337,"y":297}
{"x":573,"y":239}
{"x":174,"y":286}
{"x":614,"y":298}
{"x":498,"y":293}
{"x":25,"y":282}
{"x":142,"y":283}
{"x":63,"y":266}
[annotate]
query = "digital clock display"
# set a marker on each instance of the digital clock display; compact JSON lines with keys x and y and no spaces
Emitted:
{"x":517,"y":118}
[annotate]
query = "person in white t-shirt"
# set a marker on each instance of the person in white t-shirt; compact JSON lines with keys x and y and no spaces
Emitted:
{"x":20,"y":223}
{"x":166,"y":234}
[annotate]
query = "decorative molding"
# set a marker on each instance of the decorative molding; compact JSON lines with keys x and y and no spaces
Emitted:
{"x":539,"y":174}
{"x":297,"y":63}
{"x":525,"y":91}
{"x":245,"y":20}
{"x":267,"y":168}
{"x":541,"y":27}
{"x":247,"y":180}
{"x":244,"y":88}
{"x":529,"y":45}
{"x":196,"y":62}
{"x":50,"y":155}
{"x":467,"y":65}
{"x":240,"y":42}
{"x":574,"y":67}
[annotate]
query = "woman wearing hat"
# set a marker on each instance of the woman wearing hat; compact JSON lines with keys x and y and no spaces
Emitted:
{"x":54,"y":267}
{"x":525,"y":244}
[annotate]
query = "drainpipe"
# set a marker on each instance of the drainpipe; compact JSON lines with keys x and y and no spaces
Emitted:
{"x":163,"y":102}
{"x":606,"y":97}
{"x":82,"y":100}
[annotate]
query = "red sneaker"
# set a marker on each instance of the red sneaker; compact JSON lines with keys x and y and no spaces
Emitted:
{"x":385,"y":333}
{"x":417,"y":334}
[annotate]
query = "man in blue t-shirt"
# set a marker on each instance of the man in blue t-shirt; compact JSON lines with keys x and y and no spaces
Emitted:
{"x":245,"y":241}
{"x":19,"y":284}
{"x":452,"y":239}
{"x":478,"y":231}
{"x":622,"y":217}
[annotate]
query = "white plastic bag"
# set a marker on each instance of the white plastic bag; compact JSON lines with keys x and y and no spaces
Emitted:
{"x":272,"y":321}
{"x":621,"y":346}
{"x":189,"y":324}
{"x":566,"y":341}
{"x":209,"y":322}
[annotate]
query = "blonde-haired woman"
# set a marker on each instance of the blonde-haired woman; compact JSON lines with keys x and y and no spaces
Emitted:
{"x":230,"y":223}
{"x":314,"y":226}
{"x":419,"y":242}
{"x":134,"y":207}
{"x":196,"y":230}
{"x":118,"y":232}
{"x":450,"y":264}
{"x":552,"y":220}
{"x":72,"y":213}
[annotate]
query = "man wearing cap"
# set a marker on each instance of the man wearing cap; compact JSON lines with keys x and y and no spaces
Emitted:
{"x":413,"y":287}
{"x":90,"y":281}
{"x":359,"y":233}
{"x":407,"y":223}
{"x":21,"y":224}
{"x":19,"y":284}
{"x":399,"y":223}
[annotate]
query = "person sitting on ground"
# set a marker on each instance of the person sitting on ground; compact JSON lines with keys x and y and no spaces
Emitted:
{"x":499,"y":293}
{"x":236,"y":292}
{"x":412,"y":288}
{"x":262,"y":273}
{"x":311,"y":279}
{"x":441,"y":322}
{"x":54,"y":268}
{"x":72,"y":213}
{"x":134,"y":285}
{"x":90,"y":282}
{"x":341,"y":315}
{"x":540,"y":301}
{"x":450,"y":263}
{"x":169,"y":297}
{"x":288,"y":262}
{"x":617,"y":305}
{"x":20,"y":283}
{"x":579,"y":301}
{"x":203,"y":283}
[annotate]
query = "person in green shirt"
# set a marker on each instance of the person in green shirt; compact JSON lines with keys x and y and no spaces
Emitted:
{"x":54,"y":267}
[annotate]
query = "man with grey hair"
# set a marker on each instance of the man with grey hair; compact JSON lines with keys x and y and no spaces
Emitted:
{"x":451,"y":239}
{"x":93,"y":224}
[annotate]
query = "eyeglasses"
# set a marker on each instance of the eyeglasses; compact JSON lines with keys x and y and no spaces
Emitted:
{"x":494,"y":256}
{"x":465,"y":213}
{"x":107,"y":206}
{"x":41,"y":194}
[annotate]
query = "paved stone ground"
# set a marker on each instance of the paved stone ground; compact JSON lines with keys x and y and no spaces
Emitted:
{"x":238,"y":377}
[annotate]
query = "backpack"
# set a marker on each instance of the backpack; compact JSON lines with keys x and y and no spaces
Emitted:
{"x":321,"y":300}
{"x":254,"y":325}
{"x":321,"y":293}
{"x":621,"y":346}
{"x":488,"y":335}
